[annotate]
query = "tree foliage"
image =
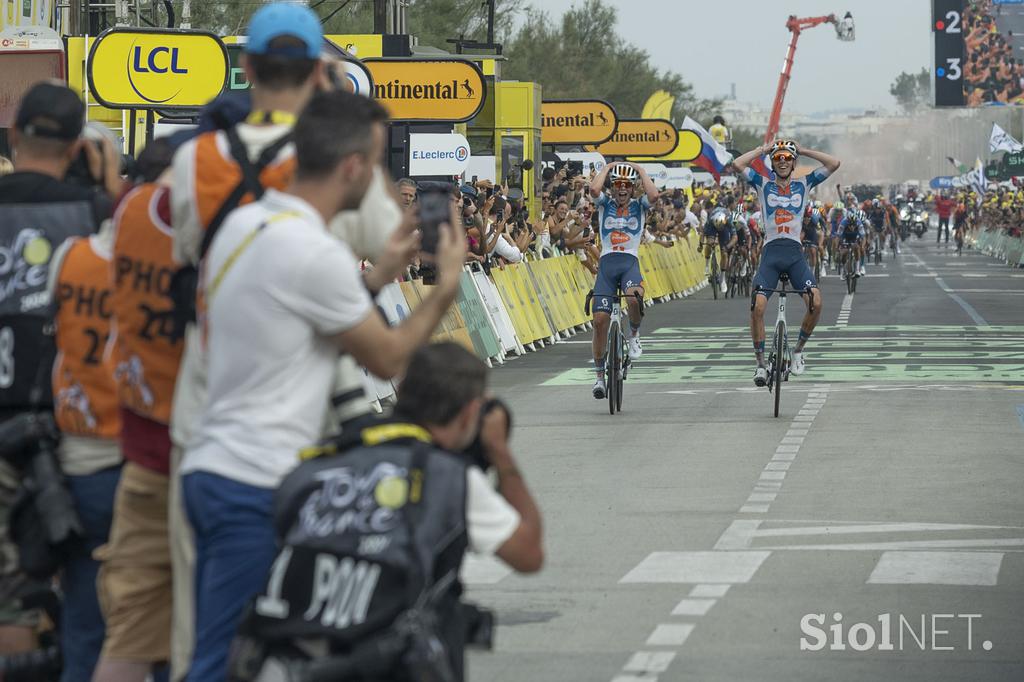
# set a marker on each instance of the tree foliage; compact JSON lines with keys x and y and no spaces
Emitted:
{"x":583,"y":56}
{"x":912,"y":90}
{"x":579,"y":56}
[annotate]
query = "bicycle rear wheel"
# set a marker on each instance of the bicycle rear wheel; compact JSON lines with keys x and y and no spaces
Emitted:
{"x":614,"y":364}
{"x":878,"y":249}
{"x":780,"y":360}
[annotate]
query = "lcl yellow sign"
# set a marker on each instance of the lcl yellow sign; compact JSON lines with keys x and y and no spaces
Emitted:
{"x":590,"y":121}
{"x":141,"y":69}
{"x":640,"y":137}
{"x":428,"y":89}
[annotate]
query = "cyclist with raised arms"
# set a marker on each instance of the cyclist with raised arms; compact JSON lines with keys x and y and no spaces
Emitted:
{"x":783,"y":202}
{"x":621,"y":228}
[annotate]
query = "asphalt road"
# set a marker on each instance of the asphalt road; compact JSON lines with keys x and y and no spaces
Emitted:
{"x":689,"y":537}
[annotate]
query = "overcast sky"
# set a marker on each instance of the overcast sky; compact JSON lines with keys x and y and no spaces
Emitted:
{"x":713,"y":43}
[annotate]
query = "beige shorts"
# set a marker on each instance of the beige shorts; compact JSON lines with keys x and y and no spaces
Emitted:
{"x":134,"y":582}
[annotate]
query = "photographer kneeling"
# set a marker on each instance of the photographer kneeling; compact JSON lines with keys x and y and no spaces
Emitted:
{"x":372,"y":534}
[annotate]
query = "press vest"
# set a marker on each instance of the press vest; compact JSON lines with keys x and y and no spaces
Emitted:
{"x":147,"y":352}
{"x":85,"y":395}
{"x":29,"y":235}
{"x":346,"y":514}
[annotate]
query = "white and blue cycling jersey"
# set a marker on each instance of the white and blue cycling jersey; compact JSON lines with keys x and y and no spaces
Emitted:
{"x":783,"y":208}
{"x":621,"y":228}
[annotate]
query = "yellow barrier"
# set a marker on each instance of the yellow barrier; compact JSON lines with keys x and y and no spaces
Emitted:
{"x":452,"y":327}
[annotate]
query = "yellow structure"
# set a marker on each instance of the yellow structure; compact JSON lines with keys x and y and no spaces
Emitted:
{"x":517,"y":135}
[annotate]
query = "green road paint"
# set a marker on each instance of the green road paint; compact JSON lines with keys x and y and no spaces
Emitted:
{"x":815,"y":354}
{"x":856,"y":329}
{"x":653,"y":374}
{"x":816,"y":344}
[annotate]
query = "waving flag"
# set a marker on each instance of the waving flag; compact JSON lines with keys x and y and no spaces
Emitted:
{"x":1001,"y":141}
{"x":713,"y":156}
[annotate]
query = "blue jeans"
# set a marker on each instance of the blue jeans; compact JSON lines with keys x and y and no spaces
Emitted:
{"x":82,"y":629}
{"x":235,"y":547}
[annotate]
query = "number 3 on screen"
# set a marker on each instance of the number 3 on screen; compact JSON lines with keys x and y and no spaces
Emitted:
{"x":953,"y":72}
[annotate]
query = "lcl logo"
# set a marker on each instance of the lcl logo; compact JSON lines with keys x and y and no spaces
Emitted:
{"x":157,"y":60}
{"x":151,"y":60}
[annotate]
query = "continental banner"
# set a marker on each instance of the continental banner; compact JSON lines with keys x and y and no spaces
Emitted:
{"x":421,"y":90}
{"x":640,"y":137}
{"x":583,"y":121}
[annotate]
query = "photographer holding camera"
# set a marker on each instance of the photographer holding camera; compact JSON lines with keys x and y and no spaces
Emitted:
{"x":64,"y":185}
{"x":385,"y":517}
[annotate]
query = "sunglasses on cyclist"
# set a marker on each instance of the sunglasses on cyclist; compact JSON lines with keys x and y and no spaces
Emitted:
{"x":783,"y":156}
{"x":622,"y":184}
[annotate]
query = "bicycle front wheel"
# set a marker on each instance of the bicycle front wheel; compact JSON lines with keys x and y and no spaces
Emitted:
{"x":780,"y":360}
{"x":613,"y":366}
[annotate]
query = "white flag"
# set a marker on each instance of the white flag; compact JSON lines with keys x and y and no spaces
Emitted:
{"x":1000,"y":141}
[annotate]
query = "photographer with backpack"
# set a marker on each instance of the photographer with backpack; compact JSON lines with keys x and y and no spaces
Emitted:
{"x":372,"y":531}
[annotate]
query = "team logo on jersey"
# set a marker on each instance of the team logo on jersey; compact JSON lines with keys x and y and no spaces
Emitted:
{"x":619,"y":238}
{"x":794,"y":201}
{"x":630,"y":224}
{"x":783,"y":216}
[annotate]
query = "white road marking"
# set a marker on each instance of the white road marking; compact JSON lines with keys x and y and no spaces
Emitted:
{"x":871,"y":528}
{"x":773,"y":475}
{"x":754,"y":509}
{"x":693,"y":607}
{"x":697,"y":567}
{"x":670,"y":634}
{"x":911,"y":544}
{"x":762,"y":497}
{"x":937,"y":568}
{"x":777,"y":466}
{"x":649,"y":661}
{"x":715,"y":590}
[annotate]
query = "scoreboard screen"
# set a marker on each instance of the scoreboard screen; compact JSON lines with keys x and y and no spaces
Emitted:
{"x":979,"y":52}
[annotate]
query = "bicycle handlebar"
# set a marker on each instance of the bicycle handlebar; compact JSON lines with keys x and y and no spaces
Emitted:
{"x":635,"y":294}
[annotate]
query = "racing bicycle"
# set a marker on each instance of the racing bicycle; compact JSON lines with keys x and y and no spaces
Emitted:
{"x":780,"y":358}
{"x":848,"y":267}
{"x":617,"y":362}
{"x":714,"y":273}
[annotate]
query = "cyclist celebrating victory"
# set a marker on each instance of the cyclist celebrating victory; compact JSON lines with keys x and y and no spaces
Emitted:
{"x":783,"y":202}
{"x":621,"y":225}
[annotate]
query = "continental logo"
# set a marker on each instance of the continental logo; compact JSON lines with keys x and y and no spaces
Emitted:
{"x":577,"y":121}
{"x":641,"y":137}
{"x":428,"y":89}
{"x":149,"y":69}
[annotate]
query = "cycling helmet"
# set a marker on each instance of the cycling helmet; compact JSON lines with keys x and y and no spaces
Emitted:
{"x":720,"y":219}
{"x":623,"y":171}
{"x":782,"y":146}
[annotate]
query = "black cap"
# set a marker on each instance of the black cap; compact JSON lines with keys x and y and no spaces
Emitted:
{"x":51,"y":110}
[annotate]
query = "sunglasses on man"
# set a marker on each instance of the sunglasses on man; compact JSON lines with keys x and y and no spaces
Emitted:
{"x":783,"y":156}
{"x":622,"y":184}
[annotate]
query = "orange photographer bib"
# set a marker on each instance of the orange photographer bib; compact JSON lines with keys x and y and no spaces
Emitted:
{"x":147,"y":352}
{"x":217,"y":174}
{"x":84,"y":393}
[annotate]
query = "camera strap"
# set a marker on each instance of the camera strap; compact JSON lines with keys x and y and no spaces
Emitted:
{"x":249,"y":184}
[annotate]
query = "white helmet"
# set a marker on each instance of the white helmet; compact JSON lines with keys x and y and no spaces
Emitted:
{"x":623,"y":171}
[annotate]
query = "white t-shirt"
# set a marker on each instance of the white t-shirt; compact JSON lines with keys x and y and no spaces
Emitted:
{"x":690,"y":220}
{"x":490,"y":519}
{"x":287,"y":288}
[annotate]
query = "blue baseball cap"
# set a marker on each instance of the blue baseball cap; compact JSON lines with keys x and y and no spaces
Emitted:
{"x":285,"y":19}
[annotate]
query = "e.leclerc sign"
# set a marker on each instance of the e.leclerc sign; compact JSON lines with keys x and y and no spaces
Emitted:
{"x":640,"y":137}
{"x":156,"y":69}
{"x":437,"y":154}
{"x":590,"y":121}
{"x":428,"y":89}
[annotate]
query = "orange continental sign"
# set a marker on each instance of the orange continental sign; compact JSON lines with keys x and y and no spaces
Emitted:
{"x":149,"y":69}
{"x":687,"y":149}
{"x":640,"y":137}
{"x":583,"y":121}
{"x":428,"y":89}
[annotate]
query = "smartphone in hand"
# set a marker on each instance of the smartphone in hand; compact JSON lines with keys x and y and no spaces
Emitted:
{"x":433,"y":209}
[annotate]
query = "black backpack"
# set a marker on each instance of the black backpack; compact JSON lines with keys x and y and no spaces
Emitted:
{"x":185,"y":281}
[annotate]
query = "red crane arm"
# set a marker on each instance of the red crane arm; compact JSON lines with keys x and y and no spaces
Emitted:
{"x":795,"y":27}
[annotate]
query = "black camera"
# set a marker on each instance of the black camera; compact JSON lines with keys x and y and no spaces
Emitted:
{"x":43,"y":522}
{"x":475,"y":452}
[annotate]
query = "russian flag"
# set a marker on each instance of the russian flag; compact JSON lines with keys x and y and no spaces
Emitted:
{"x":713,"y":156}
